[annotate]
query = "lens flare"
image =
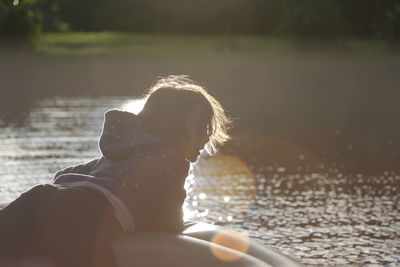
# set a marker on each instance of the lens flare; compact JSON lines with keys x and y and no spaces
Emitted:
{"x":229,"y":239}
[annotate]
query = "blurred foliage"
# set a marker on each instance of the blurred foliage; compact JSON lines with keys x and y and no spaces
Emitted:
{"x":26,"y":19}
{"x":313,"y":18}
{"x":207,"y":16}
{"x":390,"y":28}
{"x":297,"y":18}
{"x":316,"y":19}
{"x":20,"y":19}
{"x":362,"y":16}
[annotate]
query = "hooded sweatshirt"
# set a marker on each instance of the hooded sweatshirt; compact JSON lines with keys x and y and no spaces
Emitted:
{"x":143,"y":171}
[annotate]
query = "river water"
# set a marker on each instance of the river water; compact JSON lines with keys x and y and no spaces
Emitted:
{"x":319,"y":217}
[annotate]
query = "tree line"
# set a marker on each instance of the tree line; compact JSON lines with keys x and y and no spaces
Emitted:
{"x":319,"y":19}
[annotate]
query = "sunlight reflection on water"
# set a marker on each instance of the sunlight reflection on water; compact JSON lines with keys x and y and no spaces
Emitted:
{"x":322,"y":216}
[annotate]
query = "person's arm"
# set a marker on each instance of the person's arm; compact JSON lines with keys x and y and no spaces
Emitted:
{"x":80,"y":169}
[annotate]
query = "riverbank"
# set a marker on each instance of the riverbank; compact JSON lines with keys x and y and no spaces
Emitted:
{"x":320,"y":97}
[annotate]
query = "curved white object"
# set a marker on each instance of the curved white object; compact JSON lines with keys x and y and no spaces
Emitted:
{"x":201,"y":245}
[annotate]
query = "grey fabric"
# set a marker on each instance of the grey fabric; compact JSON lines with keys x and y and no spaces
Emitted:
{"x":60,"y":227}
{"x":145,"y":172}
{"x":124,"y":136}
{"x":121,"y":212}
{"x":66,"y":227}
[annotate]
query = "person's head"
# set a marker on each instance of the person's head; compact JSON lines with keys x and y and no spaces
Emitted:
{"x":183,"y":113}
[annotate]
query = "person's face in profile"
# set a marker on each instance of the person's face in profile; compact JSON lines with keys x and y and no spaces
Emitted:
{"x":196,"y":126}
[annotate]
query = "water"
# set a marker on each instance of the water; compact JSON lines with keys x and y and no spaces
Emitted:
{"x":321,"y":216}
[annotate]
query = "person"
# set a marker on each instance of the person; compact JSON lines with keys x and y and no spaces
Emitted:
{"x":137,"y":185}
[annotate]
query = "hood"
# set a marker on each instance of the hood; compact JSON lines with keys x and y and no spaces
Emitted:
{"x":124,"y":136}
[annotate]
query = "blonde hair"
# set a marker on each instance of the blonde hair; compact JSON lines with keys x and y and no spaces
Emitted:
{"x":179,"y":92}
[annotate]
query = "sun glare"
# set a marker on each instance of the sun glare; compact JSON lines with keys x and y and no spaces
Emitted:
{"x":134,"y":106}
